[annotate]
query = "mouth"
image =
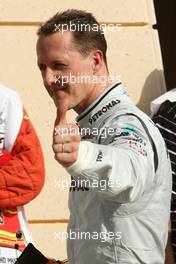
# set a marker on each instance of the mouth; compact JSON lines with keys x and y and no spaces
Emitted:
{"x":58,"y":92}
{"x":54,"y":89}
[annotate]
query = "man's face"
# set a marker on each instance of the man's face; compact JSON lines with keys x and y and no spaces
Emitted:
{"x":61,"y":65}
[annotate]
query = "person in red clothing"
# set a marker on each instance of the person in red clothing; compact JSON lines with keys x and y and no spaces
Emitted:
{"x":21,"y":173}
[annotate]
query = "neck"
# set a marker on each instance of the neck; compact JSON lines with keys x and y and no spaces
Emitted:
{"x":95,"y":92}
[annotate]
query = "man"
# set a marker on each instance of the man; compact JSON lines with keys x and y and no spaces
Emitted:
{"x":21,"y":173}
{"x":120,"y":195}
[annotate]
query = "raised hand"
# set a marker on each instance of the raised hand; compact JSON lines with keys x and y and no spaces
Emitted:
{"x":66,"y":138}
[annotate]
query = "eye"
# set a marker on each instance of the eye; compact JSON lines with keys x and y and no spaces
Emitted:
{"x":59,"y":66}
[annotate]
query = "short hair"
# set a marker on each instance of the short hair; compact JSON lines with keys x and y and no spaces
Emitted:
{"x":87,"y":35}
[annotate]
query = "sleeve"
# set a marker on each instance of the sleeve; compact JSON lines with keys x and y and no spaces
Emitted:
{"x":121,"y":166}
{"x":22,"y":177}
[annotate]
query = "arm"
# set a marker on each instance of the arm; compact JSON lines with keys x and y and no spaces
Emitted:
{"x":124,"y":161}
{"x":22,"y":177}
{"x":123,"y":174}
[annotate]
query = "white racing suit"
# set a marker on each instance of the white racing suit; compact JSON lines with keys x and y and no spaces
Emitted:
{"x":121,"y":185}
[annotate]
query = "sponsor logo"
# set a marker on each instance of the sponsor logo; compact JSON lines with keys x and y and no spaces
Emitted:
{"x":103,"y":110}
{"x":100,"y":156}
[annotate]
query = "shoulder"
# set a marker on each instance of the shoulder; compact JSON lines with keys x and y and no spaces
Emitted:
{"x":8,"y":95}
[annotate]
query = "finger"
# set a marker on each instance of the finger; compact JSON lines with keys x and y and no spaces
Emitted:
{"x":61,"y":113}
{"x":60,"y":139}
{"x":57,"y":148}
{"x":66,"y":158}
{"x":66,"y":148}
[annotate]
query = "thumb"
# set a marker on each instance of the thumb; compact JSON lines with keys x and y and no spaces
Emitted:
{"x":61,"y":113}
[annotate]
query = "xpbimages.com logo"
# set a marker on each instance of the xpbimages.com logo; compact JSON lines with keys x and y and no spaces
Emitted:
{"x":85,"y":79}
{"x":80,"y":235}
{"x":100,"y":184}
{"x":81,"y":27}
{"x":103,"y":132}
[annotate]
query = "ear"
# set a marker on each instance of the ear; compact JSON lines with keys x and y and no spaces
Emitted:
{"x":97,"y":60}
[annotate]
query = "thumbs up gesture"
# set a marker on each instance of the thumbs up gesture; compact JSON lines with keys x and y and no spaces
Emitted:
{"x":66,"y":138}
